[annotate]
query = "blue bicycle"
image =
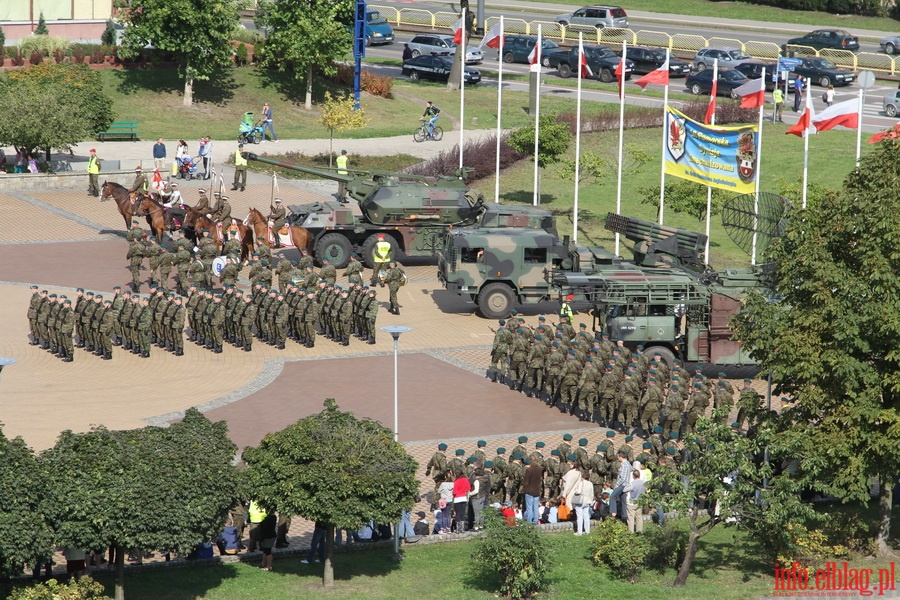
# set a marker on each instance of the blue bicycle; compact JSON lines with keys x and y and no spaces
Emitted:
{"x":428,"y":131}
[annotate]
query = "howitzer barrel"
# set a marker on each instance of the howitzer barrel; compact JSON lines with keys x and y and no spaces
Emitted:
{"x":324,"y":173}
{"x":638,"y":230}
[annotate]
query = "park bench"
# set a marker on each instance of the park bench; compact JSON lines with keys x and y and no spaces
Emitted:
{"x":120,"y":130}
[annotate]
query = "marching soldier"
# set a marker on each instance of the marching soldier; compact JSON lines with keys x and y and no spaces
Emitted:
{"x":280,"y":321}
{"x":87,"y":314}
{"x":217,"y":317}
{"x":328,"y":272}
{"x":154,"y":251}
{"x":166,"y":261}
{"x":345,"y":316}
{"x":230,"y":272}
{"x":118,"y":302}
{"x":133,"y":323}
{"x":183,"y":263}
{"x":144,"y":321}
{"x":199,"y":274}
{"x":263,"y":250}
{"x":33,"y":305}
{"x":176,"y":326}
{"x":232,"y":245}
{"x":53,"y":331}
{"x":440,"y":469}
{"x":283,"y":270}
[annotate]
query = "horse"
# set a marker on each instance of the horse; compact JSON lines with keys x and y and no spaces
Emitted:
{"x":195,"y":221}
{"x":156,"y":216}
{"x":299,"y":236}
{"x":123,"y":198}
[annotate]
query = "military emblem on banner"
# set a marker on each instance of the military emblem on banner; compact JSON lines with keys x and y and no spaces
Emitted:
{"x":675,"y":136}
{"x":746,"y":156}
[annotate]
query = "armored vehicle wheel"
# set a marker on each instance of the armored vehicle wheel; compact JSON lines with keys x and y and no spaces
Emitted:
{"x":368,"y":249}
{"x":496,"y":300}
{"x":335,"y":248}
{"x":665,"y":354}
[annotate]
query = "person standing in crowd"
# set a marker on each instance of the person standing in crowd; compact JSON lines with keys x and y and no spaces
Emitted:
{"x":532,"y":486}
{"x":828,"y":96}
{"x":205,"y":154}
{"x":582,"y":499}
{"x":342,"y":164}
{"x":159,"y":154}
{"x":778,"y":99}
{"x":461,"y":489}
{"x":267,"y":535}
{"x":632,"y":504}
{"x":181,"y":152}
{"x":240,"y":169}
{"x":93,"y":169}
{"x":798,"y":93}
{"x":267,"y":122}
{"x":407,"y":52}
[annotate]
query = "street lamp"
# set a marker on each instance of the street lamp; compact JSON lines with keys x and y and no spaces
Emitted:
{"x":395,"y":331}
{"x":4,"y":361}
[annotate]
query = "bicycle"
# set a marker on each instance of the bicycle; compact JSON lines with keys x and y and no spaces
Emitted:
{"x":428,"y":133}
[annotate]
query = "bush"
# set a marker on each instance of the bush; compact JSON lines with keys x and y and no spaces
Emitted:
{"x":343,"y":74}
{"x":668,"y":545}
{"x":36,"y":58}
{"x":18,"y":60}
{"x":78,"y":55}
{"x":81,"y":589}
{"x":480,"y":155}
{"x":2,"y":38}
{"x":377,"y":85}
{"x":59,"y":56}
{"x":108,"y":37}
{"x":97,"y":57}
{"x":514,"y":554}
{"x":623,"y":553}
{"x":45,"y":44}
{"x":241,"y":54}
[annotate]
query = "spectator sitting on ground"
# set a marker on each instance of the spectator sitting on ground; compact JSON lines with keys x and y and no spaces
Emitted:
{"x":518,"y":512}
{"x":552,"y":512}
{"x":365,"y":533}
{"x":600,"y":509}
{"x":228,"y":542}
{"x":509,"y":513}
{"x":421,"y":527}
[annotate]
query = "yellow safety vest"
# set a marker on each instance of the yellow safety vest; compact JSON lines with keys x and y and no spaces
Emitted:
{"x":93,"y":165}
{"x":382,"y":252}
{"x":257,"y":514}
{"x":565,"y":312}
{"x":239,"y":161}
{"x":342,"y":164}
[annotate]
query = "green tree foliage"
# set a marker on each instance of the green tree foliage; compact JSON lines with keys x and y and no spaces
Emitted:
{"x":25,"y":536}
{"x":553,"y":140}
{"x":621,"y":552}
{"x":686,"y":197}
{"x":56,"y":106}
{"x":151,"y":488}
{"x":2,"y":41}
{"x":84,"y":588}
{"x":108,"y":37}
{"x":515,"y":555}
{"x":306,"y":35}
{"x":41,"y":28}
{"x":597,"y":169}
{"x":831,"y":344}
{"x":340,"y":114}
{"x":197,"y":33}
{"x":335,"y":469}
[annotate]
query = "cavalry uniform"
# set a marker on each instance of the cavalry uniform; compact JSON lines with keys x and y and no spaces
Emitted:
{"x":278,"y":216}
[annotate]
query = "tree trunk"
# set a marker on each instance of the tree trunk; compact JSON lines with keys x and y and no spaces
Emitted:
{"x":328,"y":571}
{"x":885,"y":499}
{"x":188,"y":86}
{"x":453,"y":82}
{"x":309,"y":79}
{"x":120,"y":573}
{"x":685,"y":568}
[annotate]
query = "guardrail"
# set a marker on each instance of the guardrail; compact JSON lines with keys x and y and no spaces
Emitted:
{"x":872,"y":61}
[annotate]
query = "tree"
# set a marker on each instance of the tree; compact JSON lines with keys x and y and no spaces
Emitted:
{"x":197,"y":33}
{"x":41,"y":28}
{"x":108,"y":37}
{"x":339,"y":114}
{"x":514,"y":555}
{"x":56,"y":106}
{"x":2,"y":39}
{"x":306,"y":35}
{"x":333,"y":468}
{"x":553,"y":140}
{"x":150,"y":489}
{"x":686,"y":197}
{"x":25,"y":536}
{"x":831,"y":341}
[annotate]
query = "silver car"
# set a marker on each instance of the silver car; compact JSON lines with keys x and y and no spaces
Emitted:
{"x":891,"y":104}
{"x":728,"y":58}
{"x":890,"y":44}
{"x":596,"y":16}
{"x":427,"y":43}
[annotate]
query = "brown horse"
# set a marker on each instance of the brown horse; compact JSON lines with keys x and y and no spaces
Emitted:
{"x":123,"y":198}
{"x":156,"y":217}
{"x":195,"y":222}
{"x":299,"y":236}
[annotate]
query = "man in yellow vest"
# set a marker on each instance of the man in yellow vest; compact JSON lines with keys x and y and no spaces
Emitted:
{"x":342,"y":162}
{"x":565,"y":311}
{"x":240,"y":169}
{"x":381,"y":257}
{"x":93,"y":169}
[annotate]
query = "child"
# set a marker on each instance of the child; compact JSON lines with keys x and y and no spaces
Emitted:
{"x":421,"y":526}
{"x":518,"y":512}
{"x":553,"y":516}
{"x":508,"y":512}
{"x":442,"y":522}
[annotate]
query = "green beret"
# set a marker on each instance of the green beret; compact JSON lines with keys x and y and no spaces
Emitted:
{"x":640,"y":346}
{"x":571,"y":458}
{"x":542,"y":318}
{"x":501,"y":450}
{"x":583,"y":442}
{"x":736,"y":425}
{"x":582,"y":326}
{"x":747,"y":380}
{"x":523,"y":439}
{"x":471,"y":459}
{"x":601,"y":447}
{"x":442,"y":446}
{"x":98,"y":297}
{"x":610,"y":433}
{"x":118,"y":287}
{"x":34,"y":287}
{"x":554,"y":452}
{"x":248,"y":297}
{"x":460,"y":452}
{"x":629,"y":438}
{"x":528,"y":461}
{"x":539,"y":444}
{"x":722,"y":374}
{"x":67,"y":301}
{"x":657,"y":429}
{"x":193,"y":285}
{"x":488,"y":464}
{"x":218,"y":296}
{"x":482,"y":443}
{"x":517,"y":456}
{"x":646,"y":445}
{"x":673,"y":435}
{"x":698,"y":386}
{"x":502,"y":321}
{"x":567,"y":437}
{"x":53,"y":295}
{"x":107,"y":301}
{"x":670,"y":450}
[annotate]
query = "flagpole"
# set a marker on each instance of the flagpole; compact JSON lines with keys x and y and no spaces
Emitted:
{"x":662,"y":167}
{"x":621,"y":136}
{"x":537,"y":116}
{"x":712,"y":121}
{"x":462,"y":93}
{"x":759,"y":137}
{"x":499,"y":109}
{"x":806,"y":148}
{"x":578,"y":137}
{"x":862,"y":98}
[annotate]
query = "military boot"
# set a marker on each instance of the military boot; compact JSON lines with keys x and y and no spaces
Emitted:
{"x":68,"y":358}
{"x":371,"y":339}
{"x":107,"y":355}
{"x":248,"y":347}
{"x":218,"y":350}
{"x":179,"y":351}
{"x":145,"y":354}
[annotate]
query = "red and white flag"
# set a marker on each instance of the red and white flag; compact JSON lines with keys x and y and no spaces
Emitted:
{"x":458,"y":30}
{"x":659,"y":76}
{"x":620,"y":76}
{"x":752,"y":93}
{"x":892,"y":133}
{"x":711,"y":108}
{"x":844,"y":113}
{"x":585,"y":67}
{"x":493,"y":38}
{"x":533,"y":55}
{"x":804,"y":126}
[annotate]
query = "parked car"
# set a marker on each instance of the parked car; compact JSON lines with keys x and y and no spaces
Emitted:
{"x":890,"y":44}
{"x":819,"y":39}
{"x":753,"y":70}
{"x":516,"y":48}
{"x":436,"y":68}
{"x":728,"y":58}
{"x":824,"y":72}
{"x":891,"y":104}
{"x":602,"y":60}
{"x":595,"y":16}
{"x":649,"y":59}
{"x":427,"y":43}
{"x":728,"y":80}
{"x":378,"y":30}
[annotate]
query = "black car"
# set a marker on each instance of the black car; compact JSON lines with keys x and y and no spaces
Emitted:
{"x":647,"y":60}
{"x":728,"y":81}
{"x":436,"y":68}
{"x":824,"y":72}
{"x":753,"y":70}
{"x":820,"y":39}
{"x":516,"y":48}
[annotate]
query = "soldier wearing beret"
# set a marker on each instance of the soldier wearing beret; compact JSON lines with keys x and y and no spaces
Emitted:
{"x":438,"y":469}
{"x":66,"y":326}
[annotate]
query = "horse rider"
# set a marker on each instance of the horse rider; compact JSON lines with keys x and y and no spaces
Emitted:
{"x":139,"y":187}
{"x":174,"y":204}
{"x":277,"y":216}
{"x":216,"y":205}
{"x":223,"y":216}
{"x":203,"y":203}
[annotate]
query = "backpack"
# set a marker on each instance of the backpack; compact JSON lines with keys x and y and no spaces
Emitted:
{"x":436,"y":110}
{"x":824,"y":96}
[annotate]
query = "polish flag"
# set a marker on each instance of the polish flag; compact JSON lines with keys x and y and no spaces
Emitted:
{"x":493,"y":38}
{"x":458,"y":30}
{"x":711,"y":108}
{"x":893,"y":132}
{"x":844,"y":113}
{"x":804,"y":126}
{"x":752,"y":93}
{"x":532,"y":56}
{"x":620,"y":76}
{"x":659,"y":76}
{"x":585,"y":68}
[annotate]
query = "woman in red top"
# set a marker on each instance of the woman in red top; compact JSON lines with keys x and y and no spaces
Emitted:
{"x":461,"y":489}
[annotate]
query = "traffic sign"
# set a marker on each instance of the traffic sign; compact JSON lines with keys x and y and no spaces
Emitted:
{"x":788,"y":64}
{"x":866,"y":79}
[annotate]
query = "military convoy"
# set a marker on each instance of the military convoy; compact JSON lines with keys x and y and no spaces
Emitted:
{"x":413,"y":212}
{"x":663,"y":299}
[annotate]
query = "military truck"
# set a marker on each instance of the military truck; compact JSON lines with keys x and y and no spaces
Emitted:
{"x":663,"y":299}
{"x":413,"y":212}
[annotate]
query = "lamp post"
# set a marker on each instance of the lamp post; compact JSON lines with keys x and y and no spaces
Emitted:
{"x":4,"y":361}
{"x":395,"y":331}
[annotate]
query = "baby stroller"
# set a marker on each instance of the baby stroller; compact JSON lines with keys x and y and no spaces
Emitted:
{"x":189,"y":168}
{"x":250,"y":133}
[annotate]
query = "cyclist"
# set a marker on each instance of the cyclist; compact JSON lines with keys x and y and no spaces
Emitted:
{"x":432,"y":113}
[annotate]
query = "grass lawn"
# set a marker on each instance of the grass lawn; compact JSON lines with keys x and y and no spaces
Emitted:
{"x":753,"y":12}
